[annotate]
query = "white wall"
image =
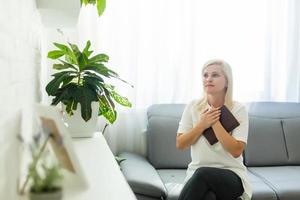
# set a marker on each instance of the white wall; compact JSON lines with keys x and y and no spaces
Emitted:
{"x":20,"y":58}
{"x":20,"y":35}
{"x":26,"y":35}
{"x":20,"y":39}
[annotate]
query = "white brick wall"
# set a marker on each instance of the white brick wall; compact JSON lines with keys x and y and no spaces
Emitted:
{"x":24,"y":72}
{"x":20,"y":36}
{"x":20,"y":39}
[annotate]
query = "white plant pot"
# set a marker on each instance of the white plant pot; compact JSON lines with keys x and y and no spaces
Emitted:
{"x":77,"y":126}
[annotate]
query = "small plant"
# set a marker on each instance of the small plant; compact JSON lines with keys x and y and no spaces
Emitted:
{"x":44,"y":175}
{"x":46,"y":179}
{"x":81,"y":80}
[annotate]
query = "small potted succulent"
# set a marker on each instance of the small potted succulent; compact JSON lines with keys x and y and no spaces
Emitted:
{"x":44,"y":175}
{"x":81,"y":86}
{"x":45,"y":183}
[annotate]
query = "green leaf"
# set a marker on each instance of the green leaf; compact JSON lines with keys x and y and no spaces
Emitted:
{"x":92,"y":2}
{"x":53,"y":85}
{"x":75,"y":49}
{"x":85,"y":96}
{"x":82,"y":61}
{"x":55,"y":54}
{"x":115,"y":75}
{"x":85,"y":2}
{"x":86,"y":49}
{"x":89,"y":53}
{"x":61,"y":66}
{"x":69,"y":79}
{"x":111,"y":116}
{"x":106,"y":109}
{"x":121,"y":100}
{"x":108,"y":97}
{"x":103,"y":105}
{"x":71,"y":53}
{"x":94,"y":83}
{"x":71,"y":106}
{"x":109,"y":87}
{"x":98,"y":68}
{"x":99,"y":58}
{"x":68,"y":59}
{"x":74,"y":53}
{"x":93,"y":75}
{"x":70,"y":56}
{"x":101,"y":6}
{"x":61,"y":46}
{"x":65,"y":93}
{"x":64,"y":50}
{"x":118,"y":98}
{"x":68,"y":64}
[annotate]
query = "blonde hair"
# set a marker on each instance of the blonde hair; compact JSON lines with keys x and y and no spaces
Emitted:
{"x":225,"y":67}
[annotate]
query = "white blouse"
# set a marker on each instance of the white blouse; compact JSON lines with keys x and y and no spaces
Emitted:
{"x":205,"y":155}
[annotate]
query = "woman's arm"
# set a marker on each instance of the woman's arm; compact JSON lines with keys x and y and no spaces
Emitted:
{"x":184,"y":140}
{"x":233,"y":146}
{"x":207,"y":119}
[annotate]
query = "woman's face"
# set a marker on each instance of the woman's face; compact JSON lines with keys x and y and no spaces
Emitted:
{"x":214,"y":80}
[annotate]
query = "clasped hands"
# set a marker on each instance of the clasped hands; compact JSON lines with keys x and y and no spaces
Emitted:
{"x":209,"y":117}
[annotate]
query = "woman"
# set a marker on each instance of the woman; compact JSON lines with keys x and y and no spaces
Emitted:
{"x":217,"y":168}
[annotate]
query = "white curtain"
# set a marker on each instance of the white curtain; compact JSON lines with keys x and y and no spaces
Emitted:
{"x":282,"y":66}
{"x":160,"y":46}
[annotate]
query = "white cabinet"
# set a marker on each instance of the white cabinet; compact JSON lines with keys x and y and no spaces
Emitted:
{"x":102,"y":172}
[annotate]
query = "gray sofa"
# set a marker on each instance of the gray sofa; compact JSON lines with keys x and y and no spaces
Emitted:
{"x":272,"y":155}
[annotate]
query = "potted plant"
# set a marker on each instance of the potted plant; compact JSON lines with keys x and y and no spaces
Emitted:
{"x":45,"y":186}
{"x":80,"y":83}
{"x":99,"y":3}
{"x":44,"y":175}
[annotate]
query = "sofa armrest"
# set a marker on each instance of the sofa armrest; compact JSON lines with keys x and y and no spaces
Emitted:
{"x":142,"y":176}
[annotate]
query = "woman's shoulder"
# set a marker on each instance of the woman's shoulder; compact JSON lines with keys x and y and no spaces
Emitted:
{"x":238,"y":106}
{"x":193,"y":104}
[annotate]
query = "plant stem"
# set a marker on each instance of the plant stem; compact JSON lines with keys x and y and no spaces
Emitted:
{"x":35,"y":161}
{"x":78,"y":78}
{"x":104,"y":128}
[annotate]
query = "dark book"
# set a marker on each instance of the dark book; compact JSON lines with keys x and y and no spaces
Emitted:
{"x":228,"y":121}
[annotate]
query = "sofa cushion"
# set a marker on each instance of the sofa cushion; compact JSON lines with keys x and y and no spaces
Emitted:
{"x":173,"y":180}
{"x":274,"y":110}
{"x":265,"y":134}
{"x":141,"y":176}
{"x":291,"y":129}
{"x":283,"y":179}
{"x":163,"y":121}
{"x":260,"y":189}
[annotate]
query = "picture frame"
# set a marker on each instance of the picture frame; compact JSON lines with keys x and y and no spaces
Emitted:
{"x":51,"y":121}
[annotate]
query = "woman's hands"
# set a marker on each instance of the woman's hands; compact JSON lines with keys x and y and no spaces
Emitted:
{"x":209,"y":117}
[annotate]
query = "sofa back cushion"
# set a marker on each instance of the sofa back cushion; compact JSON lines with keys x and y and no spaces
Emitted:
{"x":266,"y":145}
{"x":291,"y":128}
{"x":163,"y":121}
{"x":273,"y":134}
